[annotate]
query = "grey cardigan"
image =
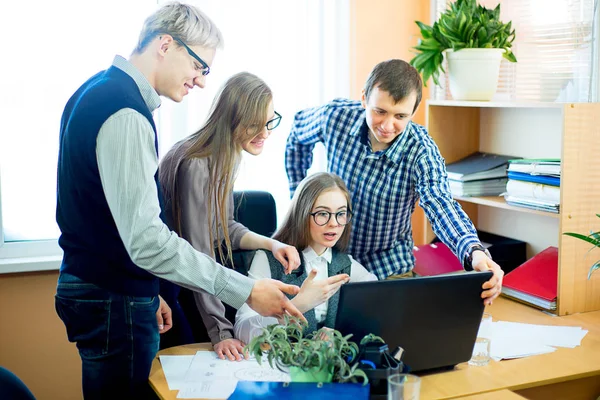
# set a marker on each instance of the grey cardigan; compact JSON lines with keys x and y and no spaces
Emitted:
{"x":193,"y":178}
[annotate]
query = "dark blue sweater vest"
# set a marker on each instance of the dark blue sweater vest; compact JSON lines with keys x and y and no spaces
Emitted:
{"x":93,"y":249}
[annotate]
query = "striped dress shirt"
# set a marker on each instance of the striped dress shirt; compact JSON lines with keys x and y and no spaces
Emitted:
{"x":127,"y":163}
{"x":385,"y":185}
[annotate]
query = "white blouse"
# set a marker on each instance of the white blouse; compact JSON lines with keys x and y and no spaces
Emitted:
{"x":248,"y":323}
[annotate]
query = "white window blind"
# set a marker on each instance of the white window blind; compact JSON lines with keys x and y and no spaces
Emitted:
{"x":299,"y":48}
{"x":57,"y":46}
{"x":555,"y":46}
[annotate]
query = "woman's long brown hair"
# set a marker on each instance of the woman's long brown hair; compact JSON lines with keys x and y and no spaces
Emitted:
{"x":238,"y":112}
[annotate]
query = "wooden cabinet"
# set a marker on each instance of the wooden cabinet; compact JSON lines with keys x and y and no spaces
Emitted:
{"x":532,"y":130}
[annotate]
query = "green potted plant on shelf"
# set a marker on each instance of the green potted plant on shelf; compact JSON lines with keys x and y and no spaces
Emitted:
{"x":474,"y":40}
{"x":594,"y":239}
{"x":322,"y":356}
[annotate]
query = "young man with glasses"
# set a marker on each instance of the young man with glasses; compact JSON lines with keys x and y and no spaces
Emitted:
{"x":114,"y":242}
{"x":389,"y":163}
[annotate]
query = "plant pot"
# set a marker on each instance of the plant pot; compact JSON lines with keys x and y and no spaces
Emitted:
{"x":311,"y":375}
{"x":473,"y":73}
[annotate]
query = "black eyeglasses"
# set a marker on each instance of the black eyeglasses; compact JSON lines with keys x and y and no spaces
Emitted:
{"x":205,"y":70}
{"x":322,"y":217}
{"x":274,"y":123}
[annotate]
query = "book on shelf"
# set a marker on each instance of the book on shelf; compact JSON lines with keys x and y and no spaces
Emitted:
{"x":534,"y":204}
{"x":479,"y":165}
{"x":543,"y":179}
{"x":532,"y":190}
{"x":482,"y":187}
{"x":535,"y":282}
{"x":536,"y":166}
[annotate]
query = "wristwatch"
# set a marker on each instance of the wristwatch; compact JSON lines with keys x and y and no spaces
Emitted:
{"x":468,"y":262}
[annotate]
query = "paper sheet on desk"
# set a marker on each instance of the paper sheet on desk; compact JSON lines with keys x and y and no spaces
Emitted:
{"x":209,"y":377}
{"x":515,"y":340}
{"x":506,"y":349}
{"x":175,"y":369}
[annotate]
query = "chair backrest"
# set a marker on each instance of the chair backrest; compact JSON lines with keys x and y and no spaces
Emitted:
{"x":11,"y":387}
{"x":256,"y":210}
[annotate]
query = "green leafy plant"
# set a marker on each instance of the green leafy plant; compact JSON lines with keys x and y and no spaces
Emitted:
{"x":326,"y":349}
{"x":594,"y":239}
{"x":464,"y":25}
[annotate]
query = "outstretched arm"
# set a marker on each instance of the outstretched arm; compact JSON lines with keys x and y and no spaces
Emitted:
{"x":448,"y":220}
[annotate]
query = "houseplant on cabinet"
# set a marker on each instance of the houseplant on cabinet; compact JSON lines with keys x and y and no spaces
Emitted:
{"x":594,"y":239}
{"x":474,"y":40}
{"x":322,"y":356}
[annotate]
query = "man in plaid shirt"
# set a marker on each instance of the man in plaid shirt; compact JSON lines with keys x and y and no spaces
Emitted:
{"x":388,"y":163}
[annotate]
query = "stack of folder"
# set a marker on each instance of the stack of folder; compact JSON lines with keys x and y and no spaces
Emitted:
{"x":534,"y":183}
{"x":480,"y":174}
{"x":535,"y":282}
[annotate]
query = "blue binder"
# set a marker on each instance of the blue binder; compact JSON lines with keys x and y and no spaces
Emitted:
{"x":543,"y":179}
{"x":299,"y":390}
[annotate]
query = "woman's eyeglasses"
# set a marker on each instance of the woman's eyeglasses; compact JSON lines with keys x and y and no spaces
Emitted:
{"x":274,"y":123}
{"x":322,"y":217}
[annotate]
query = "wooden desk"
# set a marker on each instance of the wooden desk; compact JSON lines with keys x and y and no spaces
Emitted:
{"x":497,"y":395}
{"x":564,"y":374}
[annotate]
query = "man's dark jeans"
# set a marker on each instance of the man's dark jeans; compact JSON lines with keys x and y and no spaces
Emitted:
{"x":117,"y":338}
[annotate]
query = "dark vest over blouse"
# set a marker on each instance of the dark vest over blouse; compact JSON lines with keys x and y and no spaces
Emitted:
{"x":340,"y":264}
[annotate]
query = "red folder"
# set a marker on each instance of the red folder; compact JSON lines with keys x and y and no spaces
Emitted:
{"x":435,"y":259}
{"x":537,"y":276}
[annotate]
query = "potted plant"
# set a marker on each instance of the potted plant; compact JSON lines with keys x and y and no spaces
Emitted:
{"x":474,"y":40}
{"x":322,"y":356}
{"x":594,"y":239}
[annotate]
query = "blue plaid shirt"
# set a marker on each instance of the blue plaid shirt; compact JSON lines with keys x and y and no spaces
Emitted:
{"x":384,"y":185}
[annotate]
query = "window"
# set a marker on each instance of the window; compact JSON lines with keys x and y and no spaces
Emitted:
{"x":299,"y":48}
{"x":59,"y":45}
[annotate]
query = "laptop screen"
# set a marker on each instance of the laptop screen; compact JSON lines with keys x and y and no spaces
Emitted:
{"x":434,"y":319}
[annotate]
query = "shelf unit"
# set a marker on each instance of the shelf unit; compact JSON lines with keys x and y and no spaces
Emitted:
{"x":568,"y":131}
{"x":497,"y":201}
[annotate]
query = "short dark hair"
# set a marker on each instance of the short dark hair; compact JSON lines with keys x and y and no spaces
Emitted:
{"x":398,"y":78}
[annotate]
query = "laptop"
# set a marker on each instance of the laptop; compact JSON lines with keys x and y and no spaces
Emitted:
{"x":435,"y":319}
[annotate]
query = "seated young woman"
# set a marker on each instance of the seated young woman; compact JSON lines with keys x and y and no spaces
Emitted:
{"x":318,"y":222}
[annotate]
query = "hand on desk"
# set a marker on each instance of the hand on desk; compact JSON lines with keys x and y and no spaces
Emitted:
{"x":267,"y":298}
{"x":233,"y":349}
{"x":493,"y":287}
{"x":163,"y":316}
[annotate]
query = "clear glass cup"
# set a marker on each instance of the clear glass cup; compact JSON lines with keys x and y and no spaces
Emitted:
{"x":481,"y":352}
{"x":404,"y":387}
{"x":481,"y":349}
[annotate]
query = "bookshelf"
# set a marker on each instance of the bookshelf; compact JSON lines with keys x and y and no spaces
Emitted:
{"x":497,"y":201}
{"x":570,"y":131}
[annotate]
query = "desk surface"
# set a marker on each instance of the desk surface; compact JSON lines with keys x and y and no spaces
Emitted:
{"x":504,"y":394}
{"x":465,"y":380}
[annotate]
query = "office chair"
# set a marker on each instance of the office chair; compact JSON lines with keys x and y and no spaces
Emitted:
{"x":257,"y":211}
{"x":12,"y":388}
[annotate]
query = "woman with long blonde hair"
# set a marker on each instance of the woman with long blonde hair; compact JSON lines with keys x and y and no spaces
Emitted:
{"x":197,"y":177}
{"x":318,"y":222}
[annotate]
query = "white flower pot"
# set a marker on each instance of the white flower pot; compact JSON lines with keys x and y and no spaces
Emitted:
{"x":473,"y":73}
